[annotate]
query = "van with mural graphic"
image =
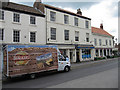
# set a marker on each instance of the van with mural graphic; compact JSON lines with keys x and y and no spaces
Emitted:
{"x":32,"y":59}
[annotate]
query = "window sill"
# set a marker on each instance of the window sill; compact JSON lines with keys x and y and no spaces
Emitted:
{"x":18,"y":23}
{"x":33,"y":25}
{"x":2,"y":21}
{"x":52,"y":41}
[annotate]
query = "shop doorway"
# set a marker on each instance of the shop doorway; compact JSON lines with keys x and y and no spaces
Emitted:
{"x":71,"y":55}
{"x":77,"y":56}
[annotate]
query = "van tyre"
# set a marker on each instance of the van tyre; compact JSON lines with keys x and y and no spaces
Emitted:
{"x":67,"y":69}
{"x":32,"y":76}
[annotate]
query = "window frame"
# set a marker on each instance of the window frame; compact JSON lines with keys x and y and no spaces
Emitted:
{"x":16,"y":17}
{"x":106,"y":41}
{"x":1,"y":34}
{"x":16,"y":38}
{"x":95,"y":41}
{"x":53,"y":33}
{"x":52,"y":16}
{"x":66,"y":35}
{"x":2,"y":15}
{"x":87,"y":37}
{"x":75,"y":21}
{"x":76,"y":35}
{"x":110,"y":43}
{"x":87,"y":24}
{"x":100,"y":42}
{"x":33,"y":39}
{"x":66,"y":19}
{"x":32,"y":20}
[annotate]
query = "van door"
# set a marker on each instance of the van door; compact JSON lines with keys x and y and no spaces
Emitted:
{"x":61,"y":62}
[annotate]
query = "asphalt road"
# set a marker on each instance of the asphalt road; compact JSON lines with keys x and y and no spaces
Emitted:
{"x":106,"y":73}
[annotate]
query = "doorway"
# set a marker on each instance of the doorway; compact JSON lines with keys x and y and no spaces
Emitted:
{"x":77,"y":56}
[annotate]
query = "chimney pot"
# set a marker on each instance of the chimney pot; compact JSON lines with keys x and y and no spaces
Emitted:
{"x":101,"y":26}
{"x":79,"y":11}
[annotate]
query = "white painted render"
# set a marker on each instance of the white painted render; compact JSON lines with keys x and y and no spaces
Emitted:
{"x":60,"y":27}
{"x":24,"y":27}
{"x":103,"y":38}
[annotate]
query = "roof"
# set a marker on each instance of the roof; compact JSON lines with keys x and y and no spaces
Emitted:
{"x":65,"y":11}
{"x":100,"y":31}
{"x":22,"y":8}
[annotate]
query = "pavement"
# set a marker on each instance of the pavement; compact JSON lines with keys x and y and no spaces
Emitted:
{"x":89,"y":63}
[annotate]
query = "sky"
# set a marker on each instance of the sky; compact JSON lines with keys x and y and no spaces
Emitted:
{"x":100,"y":11}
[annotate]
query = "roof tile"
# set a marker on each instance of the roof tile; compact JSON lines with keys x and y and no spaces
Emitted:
{"x":100,"y":31}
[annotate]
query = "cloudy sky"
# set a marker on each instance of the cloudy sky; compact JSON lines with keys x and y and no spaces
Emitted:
{"x":100,"y":11}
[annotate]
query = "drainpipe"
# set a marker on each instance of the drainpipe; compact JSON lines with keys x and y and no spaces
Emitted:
{"x":46,"y":24}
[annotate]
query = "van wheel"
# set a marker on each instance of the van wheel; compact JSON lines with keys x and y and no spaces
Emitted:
{"x":32,"y":76}
{"x":67,"y":69}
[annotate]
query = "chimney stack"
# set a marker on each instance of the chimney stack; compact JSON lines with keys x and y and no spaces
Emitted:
{"x":79,"y":11}
{"x":101,"y":26}
{"x":39,"y":1}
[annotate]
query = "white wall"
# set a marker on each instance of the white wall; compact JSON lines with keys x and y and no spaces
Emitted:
{"x":103,"y":38}
{"x":24,"y":27}
{"x":60,"y":27}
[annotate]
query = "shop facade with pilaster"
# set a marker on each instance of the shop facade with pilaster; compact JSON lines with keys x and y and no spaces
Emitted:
{"x":103,"y":42}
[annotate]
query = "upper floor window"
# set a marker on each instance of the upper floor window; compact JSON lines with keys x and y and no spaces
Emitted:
{"x":53,"y":33}
{"x":1,"y":33}
{"x":106,"y":42}
{"x":16,"y":17}
{"x":87,"y":37}
{"x":66,"y":33}
{"x":76,"y":21}
{"x":32,"y":20}
{"x":86,"y":24}
{"x":52,"y":16}
{"x":66,"y":19}
{"x":100,"y":42}
{"x":95,"y":41}
{"x":16,"y":36}
{"x":76,"y":35}
{"x":110,"y":42}
{"x":32,"y":36}
{"x":1,"y":15}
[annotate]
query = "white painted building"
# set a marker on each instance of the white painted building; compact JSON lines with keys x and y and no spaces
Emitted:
{"x":103,"y":42}
{"x":20,"y":24}
{"x":70,"y":31}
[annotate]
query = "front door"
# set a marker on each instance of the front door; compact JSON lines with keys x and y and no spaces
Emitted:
{"x":77,"y":56}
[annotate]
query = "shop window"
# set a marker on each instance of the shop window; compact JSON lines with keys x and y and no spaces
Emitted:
{"x":86,"y":53}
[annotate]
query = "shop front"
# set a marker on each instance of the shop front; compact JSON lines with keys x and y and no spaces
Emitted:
{"x":86,"y":52}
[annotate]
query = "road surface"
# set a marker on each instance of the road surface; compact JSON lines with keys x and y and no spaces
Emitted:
{"x":100,"y":75}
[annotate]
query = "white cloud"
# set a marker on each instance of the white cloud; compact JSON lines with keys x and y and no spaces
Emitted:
{"x":102,"y":12}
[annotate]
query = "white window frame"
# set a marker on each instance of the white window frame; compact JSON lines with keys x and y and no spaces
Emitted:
{"x":2,"y":17}
{"x":66,"y":19}
{"x":87,"y":24}
{"x":66,"y":35}
{"x":95,"y":41}
{"x":32,"y":20}
{"x":75,"y":21}
{"x":52,"y":16}
{"x":33,"y":38}
{"x":52,"y":35}
{"x":76,"y":35}
{"x":87,"y":37}
{"x":16,"y":18}
{"x":18,"y":37}
{"x":100,"y":42}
